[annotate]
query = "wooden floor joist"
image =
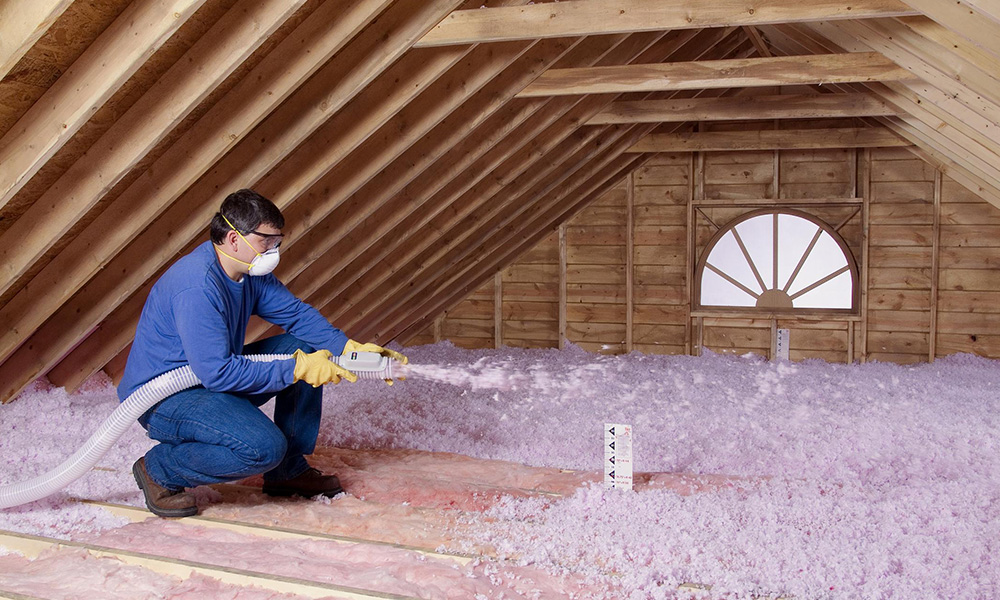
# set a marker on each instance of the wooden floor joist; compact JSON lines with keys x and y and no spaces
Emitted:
{"x":274,"y":532}
{"x":31,"y":546}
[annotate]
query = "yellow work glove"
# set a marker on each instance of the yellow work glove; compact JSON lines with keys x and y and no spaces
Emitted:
{"x":317,"y":369}
{"x":352,"y":346}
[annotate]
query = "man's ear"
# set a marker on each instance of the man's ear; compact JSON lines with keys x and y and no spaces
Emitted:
{"x":232,"y":239}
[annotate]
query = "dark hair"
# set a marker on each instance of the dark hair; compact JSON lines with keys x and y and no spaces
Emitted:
{"x":246,"y":210}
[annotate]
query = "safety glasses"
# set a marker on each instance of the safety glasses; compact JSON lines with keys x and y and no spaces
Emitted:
{"x":271,"y":240}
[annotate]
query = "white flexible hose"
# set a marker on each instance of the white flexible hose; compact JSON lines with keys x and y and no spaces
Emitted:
{"x":138,"y":402}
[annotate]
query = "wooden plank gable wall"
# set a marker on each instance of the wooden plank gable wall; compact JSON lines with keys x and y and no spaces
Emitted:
{"x":500,"y":173}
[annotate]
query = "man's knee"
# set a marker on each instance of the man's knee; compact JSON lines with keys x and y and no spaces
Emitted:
{"x":265,"y":451}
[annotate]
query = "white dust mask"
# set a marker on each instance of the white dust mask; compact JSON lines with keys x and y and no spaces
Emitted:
{"x":262,"y":264}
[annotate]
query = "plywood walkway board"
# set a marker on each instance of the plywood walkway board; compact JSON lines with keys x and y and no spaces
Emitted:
{"x":107,"y":64}
{"x":768,"y":139}
{"x":586,"y":17}
{"x":23,"y":24}
{"x":174,"y":95}
{"x":712,"y":74}
{"x":745,"y":108}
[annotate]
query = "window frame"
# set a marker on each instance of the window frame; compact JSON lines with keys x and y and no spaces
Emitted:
{"x":699,"y":271}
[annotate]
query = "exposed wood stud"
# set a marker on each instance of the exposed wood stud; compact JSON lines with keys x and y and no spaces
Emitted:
{"x":935,"y":267}
{"x":498,"y":310}
{"x":22,"y":24}
{"x":865,"y":176}
{"x":629,"y":259}
{"x":562,"y":285}
{"x":850,"y":342}
{"x":689,"y":259}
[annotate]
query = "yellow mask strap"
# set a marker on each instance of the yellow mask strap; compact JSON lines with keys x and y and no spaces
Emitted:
{"x":241,"y":237}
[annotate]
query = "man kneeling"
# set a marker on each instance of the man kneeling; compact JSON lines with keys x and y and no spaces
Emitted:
{"x":197,"y":315}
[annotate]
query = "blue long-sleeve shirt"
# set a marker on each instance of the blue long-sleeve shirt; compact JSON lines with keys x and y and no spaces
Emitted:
{"x":196,"y":315}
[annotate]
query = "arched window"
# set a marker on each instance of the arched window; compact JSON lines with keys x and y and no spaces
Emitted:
{"x":777,"y":261}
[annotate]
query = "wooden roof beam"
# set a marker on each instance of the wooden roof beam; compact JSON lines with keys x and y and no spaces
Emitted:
{"x":768,"y":139}
{"x":716,"y":74}
{"x":165,"y":105}
{"x":752,"y":108}
{"x":466,"y":163}
{"x":588,"y":185}
{"x":93,"y":78}
{"x":186,"y":219}
{"x":237,"y":113}
{"x":587,"y":17}
{"x":22,"y":23}
{"x":976,"y":20}
{"x":938,"y":65}
{"x":590,"y":191}
{"x":514,"y":174}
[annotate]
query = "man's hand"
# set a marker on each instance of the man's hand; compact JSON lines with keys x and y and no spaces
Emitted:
{"x":353,"y":346}
{"x":317,"y":369}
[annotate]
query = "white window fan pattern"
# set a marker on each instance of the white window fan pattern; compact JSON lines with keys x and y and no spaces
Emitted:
{"x":778,"y":261}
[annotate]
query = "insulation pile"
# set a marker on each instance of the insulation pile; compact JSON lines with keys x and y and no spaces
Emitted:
{"x":805,"y":479}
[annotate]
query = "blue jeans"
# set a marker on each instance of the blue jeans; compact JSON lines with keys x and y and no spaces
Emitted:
{"x":213,"y":437}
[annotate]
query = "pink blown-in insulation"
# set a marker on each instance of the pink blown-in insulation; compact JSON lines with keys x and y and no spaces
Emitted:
{"x":755,"y":477}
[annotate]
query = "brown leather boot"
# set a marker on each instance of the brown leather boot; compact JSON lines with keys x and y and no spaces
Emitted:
{"x":309,"y":484}
{"x":161,"y":501}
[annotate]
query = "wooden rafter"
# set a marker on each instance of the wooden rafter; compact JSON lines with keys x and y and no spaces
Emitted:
{"x":968,"y":152}
{"x":318,"y":283}
{"x":168,"y":102}
{"x":715,"y":74}
{"x":105,"y":66}
{"x":768,"y":139}
{"x":234,"y":116}
{"x":789,"y":106}
{"x":582,"y":17}
{"x":947,"y":133}
{"x":371,"y":126}
{"x":978,"y":20}
{"x":23,"y":24}
{"x":496,"y":215}
{"x":187,"y":217}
